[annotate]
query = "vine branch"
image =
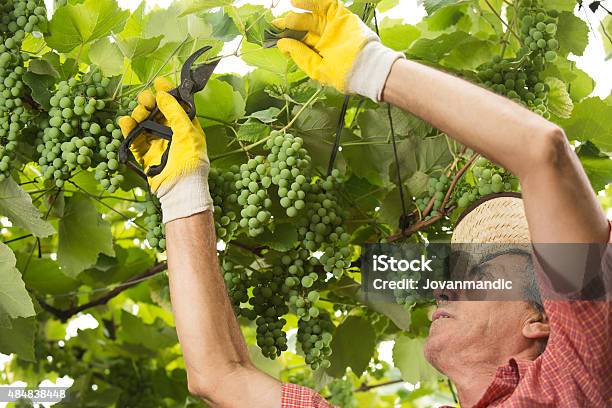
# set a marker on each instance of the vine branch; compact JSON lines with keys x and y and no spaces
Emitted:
{"x":424,"y":223}
{"x":367,"y":387}
{"x":65,"y":314}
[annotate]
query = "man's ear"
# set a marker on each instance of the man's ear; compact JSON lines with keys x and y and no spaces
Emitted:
{"x":536,"y":326}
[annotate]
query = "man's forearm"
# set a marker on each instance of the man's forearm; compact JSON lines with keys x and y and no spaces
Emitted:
{"x":560,"y":203}
{"x":216,"y":356}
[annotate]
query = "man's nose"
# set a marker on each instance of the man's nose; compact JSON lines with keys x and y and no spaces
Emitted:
{"x":444,"y":295}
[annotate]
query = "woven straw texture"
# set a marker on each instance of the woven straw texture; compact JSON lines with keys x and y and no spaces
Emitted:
{"x":499,"y":220}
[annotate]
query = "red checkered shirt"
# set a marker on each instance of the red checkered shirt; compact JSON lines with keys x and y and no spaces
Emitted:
{"x":574,"y":371}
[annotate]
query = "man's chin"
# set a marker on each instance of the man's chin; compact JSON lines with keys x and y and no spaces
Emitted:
{"x":435,"y":346}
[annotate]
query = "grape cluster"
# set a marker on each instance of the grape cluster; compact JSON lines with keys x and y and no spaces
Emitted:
{"x":341,"y":393}
{"x":237,"y":284}
{"x":156,"y":230}
{"x":17,"y":18}
{"x":314,"y":336}
{"x":436,"y":190}
{"x":519,"y":83}
{"x":288,"y":159}
{"x":269,"y":303}
{"x":488,"y":179}
{"x":126,"y":106}
{"x":270,"y":336}
{"x":538,"y":30}
{"x":252,"y":183}
{"x":77,"y":136}
{"x":13,"y":113}
{"x":224,"y":196}
{"x":517,"y":78}
{"x":293,"y":278}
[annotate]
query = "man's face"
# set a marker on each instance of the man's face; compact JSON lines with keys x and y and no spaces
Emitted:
{"x":476,"y":330}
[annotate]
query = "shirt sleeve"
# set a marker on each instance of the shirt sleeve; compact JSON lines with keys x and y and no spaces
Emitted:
{"x":297,"y":396}
{"x":580,"y":330}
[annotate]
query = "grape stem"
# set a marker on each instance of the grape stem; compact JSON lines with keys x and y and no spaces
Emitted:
{"x":97,"y":199}
{"x":502,"y":20}
{"x":418,"y":226}
{"x":265,"y":139}
{"x":456,"y":179}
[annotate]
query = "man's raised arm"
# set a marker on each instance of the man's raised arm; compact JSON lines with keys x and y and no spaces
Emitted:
{"x":339,"y":50}
{"x":216,"y":356}
{"x":559,"y":202}
{"x":218,"y":366}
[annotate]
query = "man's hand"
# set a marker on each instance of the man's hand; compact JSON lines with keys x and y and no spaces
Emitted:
{"x":182,"y":187}
{"x":338,"y":49}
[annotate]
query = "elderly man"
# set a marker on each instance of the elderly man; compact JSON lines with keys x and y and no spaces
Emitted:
{"x":497,"y":353}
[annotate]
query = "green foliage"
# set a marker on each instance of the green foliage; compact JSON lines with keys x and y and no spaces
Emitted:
{"x":291,"y":232}
{"x":76,"y":25}
{"x":83,"y":235}
{"x":17,"y":205}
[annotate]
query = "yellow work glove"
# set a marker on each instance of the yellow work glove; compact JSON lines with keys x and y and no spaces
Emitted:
{"x":182,"y":186}
{"x":338,"y":49}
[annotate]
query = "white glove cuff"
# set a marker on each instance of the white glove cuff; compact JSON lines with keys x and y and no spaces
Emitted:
{"x":187,"y":196}
{"x":371,"y":69}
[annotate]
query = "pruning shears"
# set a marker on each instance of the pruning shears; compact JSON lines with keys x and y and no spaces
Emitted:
{"x":193,"y":80}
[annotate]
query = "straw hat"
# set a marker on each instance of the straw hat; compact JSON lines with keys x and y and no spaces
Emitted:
{"x":496,"y":218}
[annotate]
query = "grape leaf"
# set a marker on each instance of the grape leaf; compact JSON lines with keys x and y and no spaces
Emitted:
{"x":154,"y":336}
{"x":223,"y":26}
{"x":14,"y":298}
{"x":408,"y":357}
{"x":135,"y":24}
{"x":182,"y":27}
{"x":40,"y":86}
{"x":431,"y":6}
{"x":202,"y":5}
{"x":65,"y":70}
{"x":560,"y":5}
{"x":44,"y":276}
{"x":252,"y":21}
{"x":219,"y":101}
{"x":283,"y":238}
{"x":270,"y":59}
{"x":19,"y":338}
{"x":590,"y":121}
{"x":434,"y":49}
{"x":447,"y":16}
{"x":346,"y":352}
{"x":83,"y":235}
{"x":559,"y":102}
{"x":137,"y":47}
{"x":597,"y":165}
{"x":252,"y":131}
{"x":578,"y":82}
{"x":266,"y":116}
{"x":107,"y":56}
{"x":572,"y":33}
{"x":370,"y":161}
{"x":605,"y":28}
{"x":16,"y":204}
{"x":386,"y":5}
{"x":75,"y":25}
{"x":397,"y":35}
{"x":391,"y":208}
{"x":42,"y":67}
